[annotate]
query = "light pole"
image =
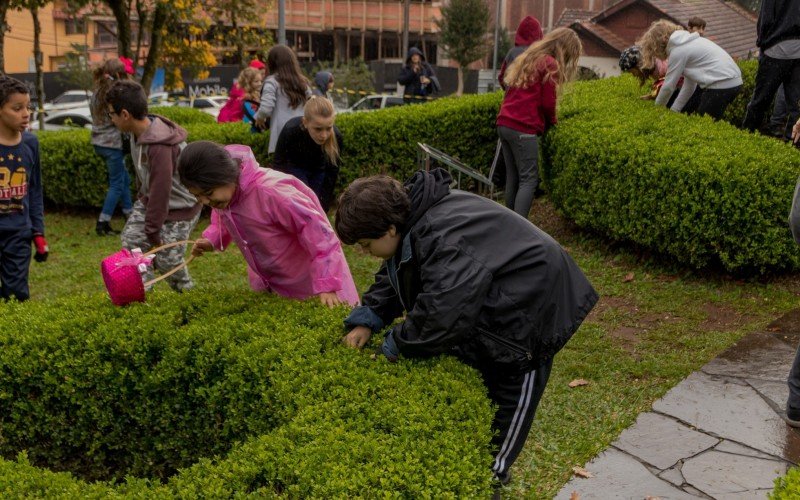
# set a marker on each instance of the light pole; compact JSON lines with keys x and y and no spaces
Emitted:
{"x":282,"y":22}
{"x":406,"y":15}
{"x":496,"y":42}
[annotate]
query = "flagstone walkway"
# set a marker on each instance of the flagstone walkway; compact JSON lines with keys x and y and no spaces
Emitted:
{"x":718,"y":434}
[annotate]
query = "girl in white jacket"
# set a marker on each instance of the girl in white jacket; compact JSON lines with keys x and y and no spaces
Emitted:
{"x":700,"y":61}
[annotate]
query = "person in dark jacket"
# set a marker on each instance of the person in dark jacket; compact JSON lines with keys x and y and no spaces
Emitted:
{"x":476,"y":281}
{"x":779,"y":62}
{"x":528,"y":31}
{"x":308,"y":148}
{"x":323,"y":83}
{"x":417,"y":76}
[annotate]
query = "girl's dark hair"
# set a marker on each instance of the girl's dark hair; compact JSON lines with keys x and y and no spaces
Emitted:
{"x":104,"y":76}
{"x":10,"y":86}
{"x":205,"y":165}
{"x":369,"y":206}
{"x":282,"y":63}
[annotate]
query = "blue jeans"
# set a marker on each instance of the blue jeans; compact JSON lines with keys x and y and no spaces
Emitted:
{"x":119,"y":182}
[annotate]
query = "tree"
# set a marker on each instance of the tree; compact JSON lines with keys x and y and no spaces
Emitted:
{"x":33,"y":7}
{"x":234,"y":29}
{"x":462,"y":33}
{"x":4,"y":5}
{"x":76,"y":72}
{"x":122,"y":14}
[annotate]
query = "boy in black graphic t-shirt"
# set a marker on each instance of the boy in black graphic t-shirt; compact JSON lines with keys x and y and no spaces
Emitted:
{"x":21,"y":203}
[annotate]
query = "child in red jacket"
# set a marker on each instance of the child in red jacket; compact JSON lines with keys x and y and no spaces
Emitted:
{"x":529,"y":108}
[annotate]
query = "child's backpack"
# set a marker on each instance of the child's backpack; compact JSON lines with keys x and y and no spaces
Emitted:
{"x":232,"y":110}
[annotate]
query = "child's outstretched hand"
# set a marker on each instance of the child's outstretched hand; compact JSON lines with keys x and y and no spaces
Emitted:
{"x":329,"y":299}
{"x":201,"y":246}
{"x":796,"y":132}
{"x":358,"y":337}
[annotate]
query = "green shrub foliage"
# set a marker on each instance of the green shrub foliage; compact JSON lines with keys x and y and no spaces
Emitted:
{"x":702,"y":192}
{"x":788,"y":486}
{"x":220,"y":394}
{"x":379,"y":141}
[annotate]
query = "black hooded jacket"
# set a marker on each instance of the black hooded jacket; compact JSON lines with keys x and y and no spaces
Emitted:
{"x":477,"y":281}
{"x":411,"y":78}
{"x":778,"y":20}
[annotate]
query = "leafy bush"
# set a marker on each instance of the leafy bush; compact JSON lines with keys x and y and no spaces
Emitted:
{"x":705,"y":193}
{"x":183,"y":115}
{"x":788,"y":486}
{"x":385,"y":140}
{"x":220,"y":394}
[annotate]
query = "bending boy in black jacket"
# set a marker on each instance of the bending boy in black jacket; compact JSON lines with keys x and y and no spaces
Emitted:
{"x":476,"y":280}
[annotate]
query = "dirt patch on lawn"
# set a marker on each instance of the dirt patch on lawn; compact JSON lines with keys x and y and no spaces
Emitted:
{"x":721,"y":318}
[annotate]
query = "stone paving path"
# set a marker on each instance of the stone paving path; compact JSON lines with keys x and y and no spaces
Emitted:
{"x":718,"y":434}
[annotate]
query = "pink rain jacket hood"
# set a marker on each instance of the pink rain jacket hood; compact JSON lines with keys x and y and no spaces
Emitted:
{"x":283,"y":234}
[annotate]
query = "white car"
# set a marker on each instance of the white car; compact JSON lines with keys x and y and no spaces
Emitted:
{"x":373,"y":102}
{"x":65,"y":120}
{"x":70,"y":99}
{"x":208,"y":104}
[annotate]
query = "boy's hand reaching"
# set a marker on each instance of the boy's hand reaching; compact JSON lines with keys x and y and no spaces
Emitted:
{"x":202,"y":246}
{"x":796,"y":132}
{"x":329,"y":299}
{"x":358,"y":337}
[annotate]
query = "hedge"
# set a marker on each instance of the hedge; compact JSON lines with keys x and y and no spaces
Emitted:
{"x":183,"y":115}
{"x":704,"y":193}
{"x":220,"y":394}
{"x":788,"y":486}
{"x":379,"y":141}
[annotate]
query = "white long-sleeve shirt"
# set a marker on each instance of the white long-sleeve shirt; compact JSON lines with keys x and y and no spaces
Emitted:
{"x":701,"y":62}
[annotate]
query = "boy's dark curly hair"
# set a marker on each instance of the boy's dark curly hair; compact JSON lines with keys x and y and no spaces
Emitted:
{"x":369,"y":206}
{"x":10,"y":86}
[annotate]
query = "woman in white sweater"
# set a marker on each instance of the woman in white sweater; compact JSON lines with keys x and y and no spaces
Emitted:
{"x":284,"y":93}
{"x":700,"y":61}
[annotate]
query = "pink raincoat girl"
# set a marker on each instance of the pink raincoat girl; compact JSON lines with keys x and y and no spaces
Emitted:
{"x":279,"y":226}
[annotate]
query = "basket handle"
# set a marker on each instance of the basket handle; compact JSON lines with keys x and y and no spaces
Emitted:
{"x":177,"y":268}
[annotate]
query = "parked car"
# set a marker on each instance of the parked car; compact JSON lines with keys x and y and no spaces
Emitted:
{"x":70,"y":99}
{"x":208,"y":104}
{"x":159,"y":99}
{"x":65,"y":120}
{"x":373,"y":102}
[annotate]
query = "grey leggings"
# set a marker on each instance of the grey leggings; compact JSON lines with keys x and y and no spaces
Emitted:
{"x":521,"y":153}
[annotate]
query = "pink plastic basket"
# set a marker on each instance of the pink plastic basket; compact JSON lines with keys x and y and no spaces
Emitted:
{"x":123,"y":279}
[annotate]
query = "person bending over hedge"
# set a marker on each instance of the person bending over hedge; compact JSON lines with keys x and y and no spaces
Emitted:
{"x":476,"y":281}
{"x":308,"y":148}
{"x":276,"y":221}
{"x":701,"y":62}
{"x":21,"y":197}
{"x":529,"y":109}
{"x":166,"y":211}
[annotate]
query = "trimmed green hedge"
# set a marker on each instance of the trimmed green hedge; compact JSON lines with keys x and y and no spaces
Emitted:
{"x":788,"y":486}
{"x":379,"y":141}
{"x":220,"y":394}
{"x":705,"y":193}
{"x":183,"y":115}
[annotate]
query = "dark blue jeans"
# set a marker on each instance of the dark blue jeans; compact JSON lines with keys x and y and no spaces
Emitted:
{"x":119,"y":182}
{"x":15,"y":259}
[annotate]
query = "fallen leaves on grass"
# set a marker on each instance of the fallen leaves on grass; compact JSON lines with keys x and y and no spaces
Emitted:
{"x":575,"y":496}
{"x":628,"y":278}
{"x":578,"y":382}
{"x":581,"y":472}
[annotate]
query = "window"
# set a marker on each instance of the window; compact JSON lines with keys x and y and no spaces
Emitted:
{"x":70,"y":98}
{"x":106,"y":34}
{"x":394,"y":101}
{"x":75,"y":26}
{"x":74,"y":120}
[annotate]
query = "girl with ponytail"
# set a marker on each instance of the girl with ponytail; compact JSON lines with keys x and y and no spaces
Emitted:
{"x":308,"y":148}
{"x":107,"y":142}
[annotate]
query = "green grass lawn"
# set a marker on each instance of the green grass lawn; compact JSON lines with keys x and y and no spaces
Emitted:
{"x":653,"y":326}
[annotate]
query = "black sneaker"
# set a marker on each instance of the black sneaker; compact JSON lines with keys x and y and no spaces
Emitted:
{"x":103,"y":228}
{"x":792,"y":416}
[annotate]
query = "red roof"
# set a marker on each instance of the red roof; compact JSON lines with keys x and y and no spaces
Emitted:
{"x":569,"y":16}
{"x":729,"y":26}
{"x":602,"y":34}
